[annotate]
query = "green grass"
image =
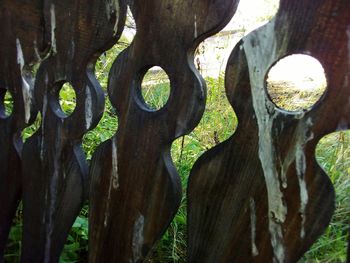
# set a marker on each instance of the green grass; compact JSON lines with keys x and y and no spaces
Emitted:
{"x":155,"y":88}
{"x":333,"y":154}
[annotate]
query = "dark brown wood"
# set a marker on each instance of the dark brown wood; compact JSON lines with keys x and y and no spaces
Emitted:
{"x":133,"y":172}
{"x":55,"y":172}
{"x":260,"y":196}
{"x":349,"y":248}
{"x":22,"y":44}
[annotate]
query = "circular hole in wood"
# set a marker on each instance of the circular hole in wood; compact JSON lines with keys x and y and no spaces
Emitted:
{"x":155,"y":88}
{"x":296,"y":83}
{"x":67,"y":98}
{"x":6,"y":104}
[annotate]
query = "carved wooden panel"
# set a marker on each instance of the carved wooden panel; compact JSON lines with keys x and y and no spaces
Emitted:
{"x":55,"y":172}
{"x":133,"y":172}
{"x":261,"y":196}
{"x":22,"y":44}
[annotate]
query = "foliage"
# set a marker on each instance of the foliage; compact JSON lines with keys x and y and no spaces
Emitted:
{"x":8,"y":103}
{"x":155,"y":88}
{"x":333,"y":154}
{"x":76,"y":248}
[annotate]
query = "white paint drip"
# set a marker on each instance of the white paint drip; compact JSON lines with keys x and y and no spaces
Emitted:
{"x":137,"y":238}
{"x":53,"y":29}
{"x":347,"y":76}
{"x":108,"y":10}
{"x":88,"y":108}
{"x":115,"y":175}
{"x":72,"y":48}
{"x":27,"y":98}
{"x":36,"y":50}
{"x":259,"y":57}
{"x":113,"y":181}
{"x":26,"y":88}
{"x":195,"y":27}
{"x":300,"y":163}
{"x":348,"y":33}
{"x":105,"y":222}
{"x":297,"y":155}
{"x":112,"y":7}
{"x":284,"y":175}
{"x":255,"y":251}
{"x":20,"y":58}
{"x":116,"y":6}
{"x":43,"y":219}
{"x":42,"y":148}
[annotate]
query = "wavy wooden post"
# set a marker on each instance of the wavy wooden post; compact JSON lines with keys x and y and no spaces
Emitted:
{"x":260,"y":196}
{"x":55,"y":172}
{"x":22,"y":44}
{"x":133,"y":172}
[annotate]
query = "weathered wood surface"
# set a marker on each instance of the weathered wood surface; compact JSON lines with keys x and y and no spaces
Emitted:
{"x":260,"y":196}
{"x":349,"y":248}
{"x":55,"y":172}
{"x":22,"y":43}
{"x":133,"y":172}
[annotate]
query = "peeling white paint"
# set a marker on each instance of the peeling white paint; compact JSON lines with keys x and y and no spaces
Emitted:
{"x":255,"y":251}
{"x":72,"y":48}
{"x":260,"y":52}
{"x":26,"y":88}
{"x":108,"y":10}
{"x":43,"y":219}
{"x":107,"y":209}
{"x":348,"y":33}
{"x":113,"y":180}
{"x":42,"y":148}
{"x":117,"y":11}
{"x":106,"y":218}
{"x":53,"y":29}
{"x":88,"y":108}
{"x":36,"y":50}
{"x":115,"y":175}
{"x":284,"y":175}
{"x":20,"y":57}
{"x":300,"y":164}
{"x":195,"y":27}
{"x":137,"y":238}
{"x":27,"y":98}
{"x":296,"y":154}
{"x":112,"y":7}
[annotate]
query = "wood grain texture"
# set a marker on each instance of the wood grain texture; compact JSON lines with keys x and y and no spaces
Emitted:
{"x":22,"y":44}
{"x":55,"y":171}
{"x":133,"y":172}
{"x":260,"y":196}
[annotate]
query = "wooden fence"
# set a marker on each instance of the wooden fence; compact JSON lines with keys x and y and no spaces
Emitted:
{"x":260,"y":196}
